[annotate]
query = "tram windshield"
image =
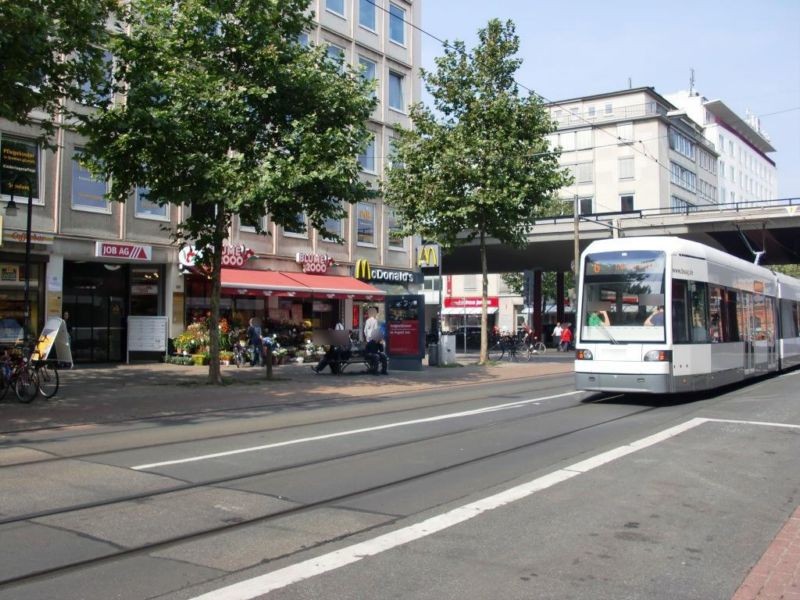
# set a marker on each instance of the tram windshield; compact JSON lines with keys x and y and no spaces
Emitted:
{"x":623,"y":297}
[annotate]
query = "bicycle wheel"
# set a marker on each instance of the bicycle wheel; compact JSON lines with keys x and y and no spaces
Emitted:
{"x":26,"y":384}
{"x":48,"y":380}
{"x":539,"y":348}
{"x":497,"y":351}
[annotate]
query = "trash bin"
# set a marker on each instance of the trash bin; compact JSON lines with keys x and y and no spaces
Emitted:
{"x":433,"y":355}
{"x":447,"y":350}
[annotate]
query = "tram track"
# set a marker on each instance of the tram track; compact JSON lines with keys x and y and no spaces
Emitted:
{"x":224,"y":436}
{"x":325,"y":502}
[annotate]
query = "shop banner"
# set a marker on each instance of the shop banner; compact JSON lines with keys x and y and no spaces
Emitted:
{"x":405,"y":326}
{"x":472,"y":302}
{"x":54,"y":335}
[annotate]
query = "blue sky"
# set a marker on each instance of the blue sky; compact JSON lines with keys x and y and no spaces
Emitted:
{"x":745,"y":53}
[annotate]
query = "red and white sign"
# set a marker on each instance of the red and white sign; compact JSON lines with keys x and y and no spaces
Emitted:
{"x":314,"y":263}
{"x":123,"y":251}
{"x":233,"y":257}
{"x":473,"y":302}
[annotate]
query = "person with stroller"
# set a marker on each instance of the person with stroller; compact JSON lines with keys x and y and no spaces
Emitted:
{"x":255,"y":341}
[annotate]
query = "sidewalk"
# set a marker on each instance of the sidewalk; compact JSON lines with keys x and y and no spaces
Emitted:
{"x":107,"y":393}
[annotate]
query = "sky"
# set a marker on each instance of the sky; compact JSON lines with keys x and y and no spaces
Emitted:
{"x":744,"y":53}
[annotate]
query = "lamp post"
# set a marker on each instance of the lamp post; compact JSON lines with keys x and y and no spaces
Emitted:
{"x":11,"y":211}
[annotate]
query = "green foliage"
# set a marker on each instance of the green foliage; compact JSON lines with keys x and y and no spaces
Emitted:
{"x":484,"y":165}
{"x":514,"y":283}
{"x":51,"y":50}
{"x":790,"y":270}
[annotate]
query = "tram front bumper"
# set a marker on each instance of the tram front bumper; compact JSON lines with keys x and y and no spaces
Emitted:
{"x":650,"y":383}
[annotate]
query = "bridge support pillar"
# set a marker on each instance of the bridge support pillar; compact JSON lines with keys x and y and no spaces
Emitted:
{"x":560,"y":296}
{"x":537,"y":303}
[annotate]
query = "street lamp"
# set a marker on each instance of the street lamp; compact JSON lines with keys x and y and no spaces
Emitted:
{"x":11,"y":211}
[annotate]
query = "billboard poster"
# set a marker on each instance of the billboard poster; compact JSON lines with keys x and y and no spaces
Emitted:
{"x":405,"y":326}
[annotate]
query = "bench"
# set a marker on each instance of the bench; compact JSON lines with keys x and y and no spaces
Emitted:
{"x":357,"y":357}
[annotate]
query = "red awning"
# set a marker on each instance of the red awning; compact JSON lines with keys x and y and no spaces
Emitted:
{"x":336,"y":286}
{"x":248,"y":282}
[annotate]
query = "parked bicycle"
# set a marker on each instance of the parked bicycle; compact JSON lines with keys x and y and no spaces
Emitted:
{"x":241,"y":352}
{"x":18,"y":373}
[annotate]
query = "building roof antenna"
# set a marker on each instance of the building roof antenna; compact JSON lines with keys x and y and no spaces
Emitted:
{"x":691,"y":82}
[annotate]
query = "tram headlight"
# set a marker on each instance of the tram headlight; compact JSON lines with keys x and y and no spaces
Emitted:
{"x":583,"y":354}
{"x":658,"y":356}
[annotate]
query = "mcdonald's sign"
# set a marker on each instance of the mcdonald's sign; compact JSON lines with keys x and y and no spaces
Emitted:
{"x":428,"y":257}
{"x":363,"y":270}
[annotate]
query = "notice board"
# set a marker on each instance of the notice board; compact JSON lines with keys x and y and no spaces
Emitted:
{"x":147,"y":334}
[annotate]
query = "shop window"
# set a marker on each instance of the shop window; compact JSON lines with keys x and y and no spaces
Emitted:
{"x":12,"y":301}
{"x":366,"y":223}
{"x":396,"y":240}
{"x":145,"y":291}
{"x":146,"y":209}
{"x":88,"y":192}
{"x":19,"y":169}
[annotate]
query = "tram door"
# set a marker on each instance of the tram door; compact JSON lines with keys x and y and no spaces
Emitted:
{"x":745,"y":317}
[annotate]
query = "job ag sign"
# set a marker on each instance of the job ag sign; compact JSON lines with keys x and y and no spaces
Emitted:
{"x":365,"y":272}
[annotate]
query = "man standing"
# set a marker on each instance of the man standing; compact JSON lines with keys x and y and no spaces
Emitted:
{"x":255,"y":341}
{"x":376,"y":355}
{"x":557,"y":336}
{"x":371,"y":324}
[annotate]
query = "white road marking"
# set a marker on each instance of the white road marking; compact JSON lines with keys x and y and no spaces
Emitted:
{"x":316,"y":438}
{"x":263,"y":584}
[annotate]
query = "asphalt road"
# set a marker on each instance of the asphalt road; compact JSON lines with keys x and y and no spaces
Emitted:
{"x":523,"y":489}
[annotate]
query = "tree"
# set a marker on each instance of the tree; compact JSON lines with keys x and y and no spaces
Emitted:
{"x":478,"y":166}
{"x":227,"y":112}
{"x":52,"y":51}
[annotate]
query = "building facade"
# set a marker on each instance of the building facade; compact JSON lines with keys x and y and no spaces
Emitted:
{"x":103,"y":262}
{"x":746,"y":172}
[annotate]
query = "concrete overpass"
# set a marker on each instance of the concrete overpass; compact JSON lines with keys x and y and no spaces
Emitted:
{"x":772,"y":227}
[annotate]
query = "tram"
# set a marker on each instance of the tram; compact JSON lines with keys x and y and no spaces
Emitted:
{"x":664,"y":315}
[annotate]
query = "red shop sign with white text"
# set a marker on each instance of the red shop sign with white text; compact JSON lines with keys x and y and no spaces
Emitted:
{"x":472,"y":302}
{"x":123,"y":251}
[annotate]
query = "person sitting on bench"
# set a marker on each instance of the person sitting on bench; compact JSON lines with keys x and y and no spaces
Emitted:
{"x":333,"y":358}
{"x":375,"y":355}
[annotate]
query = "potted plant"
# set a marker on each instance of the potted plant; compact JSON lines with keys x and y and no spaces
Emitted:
{"x":225,"y":357}
{"x":200,"y":359}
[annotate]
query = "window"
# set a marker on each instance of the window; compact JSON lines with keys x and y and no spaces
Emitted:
{"x":583,"y":139}
{"x":88,"y":193}
{"x":625,"y":132}
{"x":396,"y":96}
{"x":680,"y":205}
{"x":248,"y":225}
{"x":626,"y":203}
{"x":396,"y":241}
{"x":335,"y":6}
{"x":567,"y":141}
{"x":145,"y":209}
{"x":585,"y":206}
{"x":471,"y":283}
{"x":366,"y":14}
{"x":367,"y":158}
{"x":368,"y":70}
{"x":333,"y":225}
{"x":303,"y":39}
{"x":584,"y":173}
{"x":591,"y":111}
{"x":609,"y":109}
{"x":336,"y":54}
{"x":19,"y":168}
{"x":298,"y":228}
{"x":683,"y":177}
{"x":365,"y":223}
{"x":97,"y":97}
{"x":681,"y":144}
{"x":626,"y":168}
{"x":397,"y":24}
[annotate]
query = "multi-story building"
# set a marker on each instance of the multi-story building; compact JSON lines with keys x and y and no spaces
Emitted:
{"x":746,"y":173}
{"x":102,"y":262}
{"x":633,"y":150}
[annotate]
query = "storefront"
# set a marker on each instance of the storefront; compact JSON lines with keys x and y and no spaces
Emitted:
{"x":463,"y":317}
{"x":12,"y":296}
{"x":100,"y":294}
{"x":390,"y":281}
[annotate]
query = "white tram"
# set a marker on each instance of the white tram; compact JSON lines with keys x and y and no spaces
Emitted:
{"x":666,"y":315}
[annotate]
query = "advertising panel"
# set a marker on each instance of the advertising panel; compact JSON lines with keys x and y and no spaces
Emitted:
{"x":405,"y":326}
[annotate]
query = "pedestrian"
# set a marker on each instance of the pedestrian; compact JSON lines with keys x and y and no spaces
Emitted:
{"x":566,"y":338}
{"x":68,"y":326}
{"x":255,"y":341}
{"x":557,"y":330}
{"x":371,"y":324}
{"x":656,"y":319}
{"x":339,"y":326}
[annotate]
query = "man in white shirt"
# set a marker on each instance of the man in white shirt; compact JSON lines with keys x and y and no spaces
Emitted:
{"x":371,"y":324}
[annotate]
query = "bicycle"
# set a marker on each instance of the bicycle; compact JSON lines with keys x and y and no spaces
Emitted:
{"x":241,"y":353}
{"x":533,"y":346}
{"x":47,"y":377}
{"x":505,"y":347}
{"x":19,"y":373}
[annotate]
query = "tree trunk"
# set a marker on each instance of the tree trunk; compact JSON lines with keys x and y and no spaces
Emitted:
{"x":214,"y":372}
{"x":484,"y":295}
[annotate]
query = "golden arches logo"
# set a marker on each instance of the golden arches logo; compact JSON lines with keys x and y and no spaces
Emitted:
{"x":363,"y":269}
{"x":427,"y":257}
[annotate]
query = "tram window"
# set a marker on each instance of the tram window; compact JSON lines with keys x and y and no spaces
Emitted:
{"x":768,"y":323}
{"x":698,"y":294}
{"x":788,"y":319}
{"x":730,"y":325}
{"x":715,"y":318}
{"x":796,"y":310}
{"x":680,"y":312}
